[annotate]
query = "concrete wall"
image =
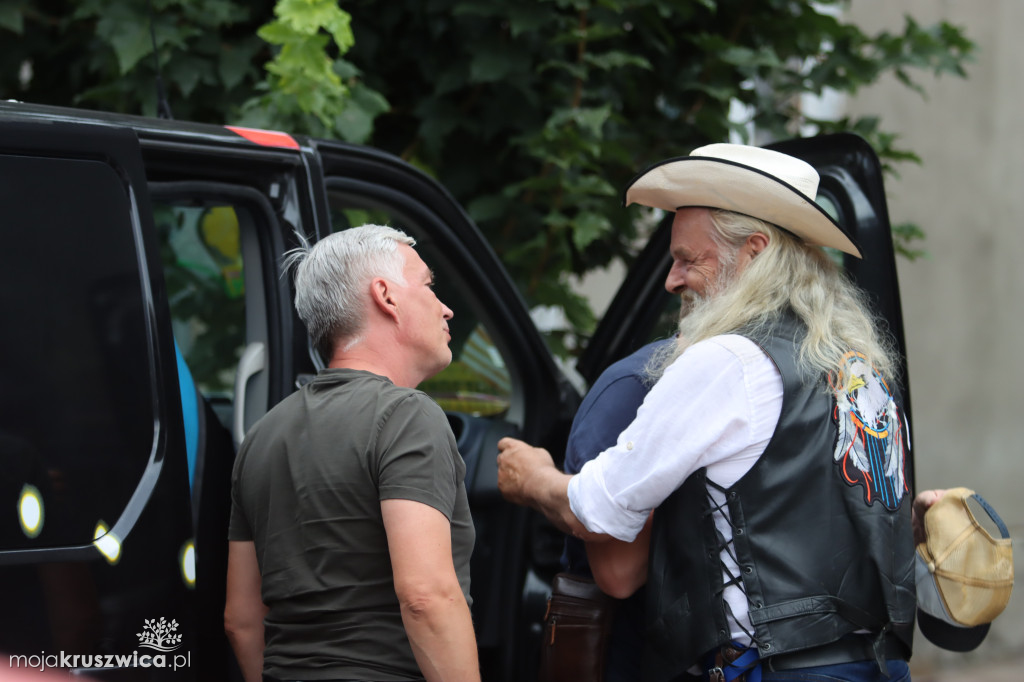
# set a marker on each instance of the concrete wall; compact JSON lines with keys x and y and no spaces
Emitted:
{"x":962,"y":304}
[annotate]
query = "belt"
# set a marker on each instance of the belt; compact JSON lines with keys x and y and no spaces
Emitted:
{"x":846,"y":650}
{"x":725,"y":657}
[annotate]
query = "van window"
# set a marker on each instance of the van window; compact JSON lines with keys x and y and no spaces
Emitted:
{"x":76,"y":363}
{"x":215,"y":244}
{"x":200,"y":249}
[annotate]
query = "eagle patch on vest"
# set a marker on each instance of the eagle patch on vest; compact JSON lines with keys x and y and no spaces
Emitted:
{"x":869,"y":447}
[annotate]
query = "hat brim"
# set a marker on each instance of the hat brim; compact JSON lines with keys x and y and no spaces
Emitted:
{"x":707,"y":182}
{"x":951,"y":637}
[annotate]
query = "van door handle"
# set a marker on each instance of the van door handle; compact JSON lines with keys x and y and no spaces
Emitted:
{"x":252,"y":362}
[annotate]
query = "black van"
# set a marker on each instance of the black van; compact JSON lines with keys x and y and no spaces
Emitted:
{"x":147,"y":324}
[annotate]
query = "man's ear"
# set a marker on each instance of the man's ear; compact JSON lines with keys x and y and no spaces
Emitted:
{"x":383,"y":295}
{"x":757,"y":242}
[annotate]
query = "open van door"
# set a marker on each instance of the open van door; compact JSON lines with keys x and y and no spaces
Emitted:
{"x":502,"y":382}
{"x":851,"y":190}
{"x":97,"y":561}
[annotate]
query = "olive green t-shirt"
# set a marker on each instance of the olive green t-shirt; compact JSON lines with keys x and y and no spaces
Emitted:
{"x":307,"y":487}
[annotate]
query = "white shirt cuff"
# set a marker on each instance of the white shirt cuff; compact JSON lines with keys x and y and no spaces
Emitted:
{"x":589,"y":497}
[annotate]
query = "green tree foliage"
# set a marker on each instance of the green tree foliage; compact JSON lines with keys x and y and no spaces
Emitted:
{"x":309,"y":87}
{"x":534,"y":113}
{"x":537,"y":114}
{"x":255,"y":62}
{"x":99,"y":54}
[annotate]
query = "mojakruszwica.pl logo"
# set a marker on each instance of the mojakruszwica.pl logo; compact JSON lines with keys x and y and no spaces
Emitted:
{"x":157,"y":635}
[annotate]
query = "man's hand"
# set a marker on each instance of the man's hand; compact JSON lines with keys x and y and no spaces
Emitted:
{"x":528,"y":476}
{"x":518,"y":465}
{"x":922,"y":502}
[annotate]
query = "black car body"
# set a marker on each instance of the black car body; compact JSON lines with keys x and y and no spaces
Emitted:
{"x":147,"y":324}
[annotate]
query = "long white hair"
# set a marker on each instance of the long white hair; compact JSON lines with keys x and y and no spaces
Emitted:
{"x":787,"y":274}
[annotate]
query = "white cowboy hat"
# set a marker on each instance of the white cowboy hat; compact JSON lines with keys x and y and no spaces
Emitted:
{"x":761,"y":183}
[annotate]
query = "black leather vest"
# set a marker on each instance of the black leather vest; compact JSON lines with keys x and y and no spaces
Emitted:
{"x":824,"y":549}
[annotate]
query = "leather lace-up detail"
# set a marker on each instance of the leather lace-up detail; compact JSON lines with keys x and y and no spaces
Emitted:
{"x":720,"y":510}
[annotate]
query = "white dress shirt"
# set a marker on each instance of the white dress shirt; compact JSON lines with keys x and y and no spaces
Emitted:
{"x":717,"y":407}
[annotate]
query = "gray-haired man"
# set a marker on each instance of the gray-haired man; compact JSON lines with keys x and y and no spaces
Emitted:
{"x":350,"y":531}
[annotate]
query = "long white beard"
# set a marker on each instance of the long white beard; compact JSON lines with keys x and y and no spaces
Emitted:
{"x":691,"y":301}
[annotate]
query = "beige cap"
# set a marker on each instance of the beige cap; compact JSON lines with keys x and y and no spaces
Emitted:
{"x":968,"y":555}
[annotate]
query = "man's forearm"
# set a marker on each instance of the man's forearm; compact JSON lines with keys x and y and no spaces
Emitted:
{"x":434,"y":609}
{"x":527,"y":476}
{"x":549,"y":493}
{"x":620,"y":568}
{"x":244,"y":609}
{"x":440,"y":630}
{"x":247,"y":643}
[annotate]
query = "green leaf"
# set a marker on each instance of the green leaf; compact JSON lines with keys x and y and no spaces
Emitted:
{"x":589,"y":227}
{"x":278,"y":33}
{"x":494,"y":63}
{"x":528,"y":250}
{"x":574,"y":70}
{"x":592,"y":185}
{"x":592,"y":33}
{"x":905,"y":233}
{"x":616,"y":60}
{"x":235,"y":62}
{"x":451,"y":79}
{"x":184,"y":74}
{"x":588,"y":119}
{"x":88,"y":8}
{"x":526,"y":18}
{"x":749,"y":58}
{"x":558,"y":293}
{"x":130,"y":40}
{"x":308,"y":17}
{"x":210,"y":13}
{"x":369,"y":99}
{"x":477,"y":9}
{"x":346,"y":70}
{"x":487,"y":207}
{"x":558,"y":222}
{"x":355,"y":122}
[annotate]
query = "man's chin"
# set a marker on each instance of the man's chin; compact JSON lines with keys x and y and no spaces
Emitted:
{"x":443,"y":362}
{"x":689,"y":300}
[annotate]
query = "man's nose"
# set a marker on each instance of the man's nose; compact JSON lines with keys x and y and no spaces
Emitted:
{"x":674,"y":283}
{"x":448,"y":314}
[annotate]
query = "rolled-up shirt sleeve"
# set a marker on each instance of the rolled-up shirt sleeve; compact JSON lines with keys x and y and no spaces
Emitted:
{"x":718,"y":403}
